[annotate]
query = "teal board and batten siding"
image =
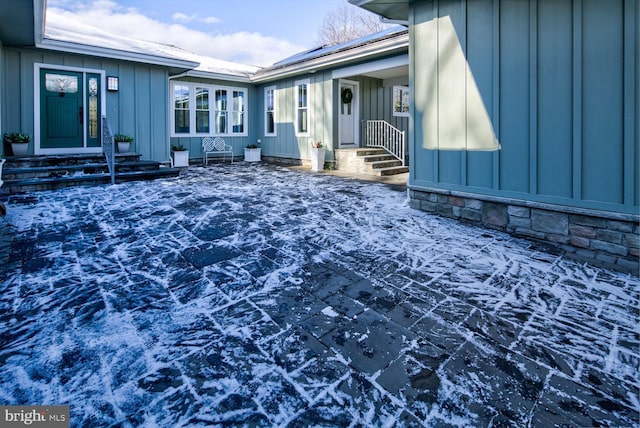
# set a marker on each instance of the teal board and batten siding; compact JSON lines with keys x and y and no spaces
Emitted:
{"x":194,"y":143}
{"x":559,"y":82}
{"x":375,"y":101}
{"x":286,"y":144}
{"x":138,"y":108}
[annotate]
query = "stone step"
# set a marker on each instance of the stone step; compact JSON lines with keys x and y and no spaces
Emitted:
{"x":380,"y":157}
{"x":31,"y":173}
{"x":22,"y":173}
{"x":53,"y":183}
{"x":380,"y":164}
{"x":370,"y":151}
{"x":369,"y":161}
{"x":393,"y":170}
{"x":65,"y":160}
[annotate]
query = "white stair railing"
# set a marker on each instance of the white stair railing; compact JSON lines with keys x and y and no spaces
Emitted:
{"x":380,"y":133}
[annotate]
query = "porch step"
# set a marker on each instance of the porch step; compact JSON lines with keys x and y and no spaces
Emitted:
{"x":65,"y":160}
{"x":369,"y":161}
{"x":29,"y":174}
{"x":70,"y":170}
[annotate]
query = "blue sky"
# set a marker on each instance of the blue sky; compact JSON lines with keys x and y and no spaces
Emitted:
{"x":257,"y":32}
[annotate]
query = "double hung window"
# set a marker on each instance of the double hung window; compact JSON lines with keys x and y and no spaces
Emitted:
{"x":302,"y":107}
{"x":270,"y":111}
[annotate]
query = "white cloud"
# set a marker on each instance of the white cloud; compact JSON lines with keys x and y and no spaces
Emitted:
{"x":181,"y":17}
{"x":244,"y":47}
{"x":211,"y":20}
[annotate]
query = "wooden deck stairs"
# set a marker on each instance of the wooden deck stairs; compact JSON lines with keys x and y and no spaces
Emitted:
{"x":33,"y":173}
{"x":369,"y":161}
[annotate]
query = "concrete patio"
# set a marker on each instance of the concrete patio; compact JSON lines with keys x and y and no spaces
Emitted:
{"x":256,"y":295}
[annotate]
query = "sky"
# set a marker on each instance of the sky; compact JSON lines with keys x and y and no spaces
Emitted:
{"x":256,"y":32}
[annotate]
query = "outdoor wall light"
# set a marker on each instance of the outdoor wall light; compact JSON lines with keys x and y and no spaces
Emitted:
{"x":112,"y":83}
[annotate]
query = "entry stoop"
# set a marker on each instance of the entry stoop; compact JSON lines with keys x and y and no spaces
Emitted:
{"x":370,"y":161}
{"x":33,"y":173}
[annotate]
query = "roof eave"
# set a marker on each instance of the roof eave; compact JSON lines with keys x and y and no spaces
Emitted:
{"x":396,"y":11}
{"x":340,"y":58}
{"x":77,"y":48}
{"x":213,"y":75}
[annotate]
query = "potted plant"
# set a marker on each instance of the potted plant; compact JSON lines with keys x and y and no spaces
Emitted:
{"x":124,"y":142}
{"x":317,"y":154}
{"x":252,"y":153}
{"x":180,"y":156}
{"x":19,"y":142}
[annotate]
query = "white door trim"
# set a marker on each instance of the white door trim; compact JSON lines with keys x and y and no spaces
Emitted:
{"x":36,"y":106}
{"x":356,"y":112}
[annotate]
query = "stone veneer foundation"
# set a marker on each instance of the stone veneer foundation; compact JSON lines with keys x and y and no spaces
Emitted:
{"x":608,"y":239}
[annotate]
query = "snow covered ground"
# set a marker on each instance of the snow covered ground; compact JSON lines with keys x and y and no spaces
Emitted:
{"x":251,"y":294}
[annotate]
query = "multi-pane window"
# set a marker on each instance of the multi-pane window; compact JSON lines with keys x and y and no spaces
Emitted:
{"x":221,"y":111}
{"x":202,"y":110}
{"x":181,"y":109}
{"x":302,"y":107}
{"x":400,"y":101}
{"x":237,"y":112}
{"x":209,"y":110}
{"x":270,"y":110}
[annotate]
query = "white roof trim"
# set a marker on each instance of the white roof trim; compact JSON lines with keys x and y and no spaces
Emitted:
{"x":210,"y":75}
{"x":382,"y":64}
{"x":333,"y":59}
{"x":81,"y":49}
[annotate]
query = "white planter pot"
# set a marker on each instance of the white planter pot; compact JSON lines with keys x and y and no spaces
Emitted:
{"x":317,"y":158}
{"x":19,"y":149}
{"x":252,"y":155}
{"x":123,"y":146}
{"x":180,"y":158}
{"x":2,"y":161}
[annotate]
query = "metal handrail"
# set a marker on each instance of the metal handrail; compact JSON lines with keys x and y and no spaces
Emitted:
{"x":108,"y":148}
{"x":380,"y":133}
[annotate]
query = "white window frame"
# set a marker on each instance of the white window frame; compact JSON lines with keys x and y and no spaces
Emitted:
{"x":297,"y":109}
{"x":400,"y":90}
{"x":267,"y":111}
{"x":207,"y":110}
{"x":212,"y":110}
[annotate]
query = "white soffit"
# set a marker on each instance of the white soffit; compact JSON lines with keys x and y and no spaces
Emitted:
{"x":382,"y":69}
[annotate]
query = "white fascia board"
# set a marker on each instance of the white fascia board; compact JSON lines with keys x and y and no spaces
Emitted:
{"x":81,"y":49}
{"x":313,"y":65}
{"x":382,"y":64}
{"x":217,"y":76}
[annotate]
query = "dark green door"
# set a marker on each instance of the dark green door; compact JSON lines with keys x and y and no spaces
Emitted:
{"x":69,"y":109}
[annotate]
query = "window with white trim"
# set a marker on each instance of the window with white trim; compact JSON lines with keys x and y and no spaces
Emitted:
{"x":401,"y":101}
{"x":237,"y":112}
{"x":302,"y":107}
{"x":200,"y":110}
{"x":181,"y":118}
{"x":221,"y":111}
{"x":270,"y":111}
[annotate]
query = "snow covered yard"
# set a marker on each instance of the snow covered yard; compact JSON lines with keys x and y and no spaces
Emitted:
{"x":251,"y":294}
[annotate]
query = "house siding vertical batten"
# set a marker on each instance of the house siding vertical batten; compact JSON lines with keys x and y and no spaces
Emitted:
{"x":558,"y":82}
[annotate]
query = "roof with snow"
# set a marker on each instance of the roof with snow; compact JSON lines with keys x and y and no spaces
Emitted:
{"x":66,"y":34}
{"x":328,"y":50}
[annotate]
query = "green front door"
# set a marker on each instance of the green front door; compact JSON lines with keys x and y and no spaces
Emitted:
{"x":69,"y":110}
